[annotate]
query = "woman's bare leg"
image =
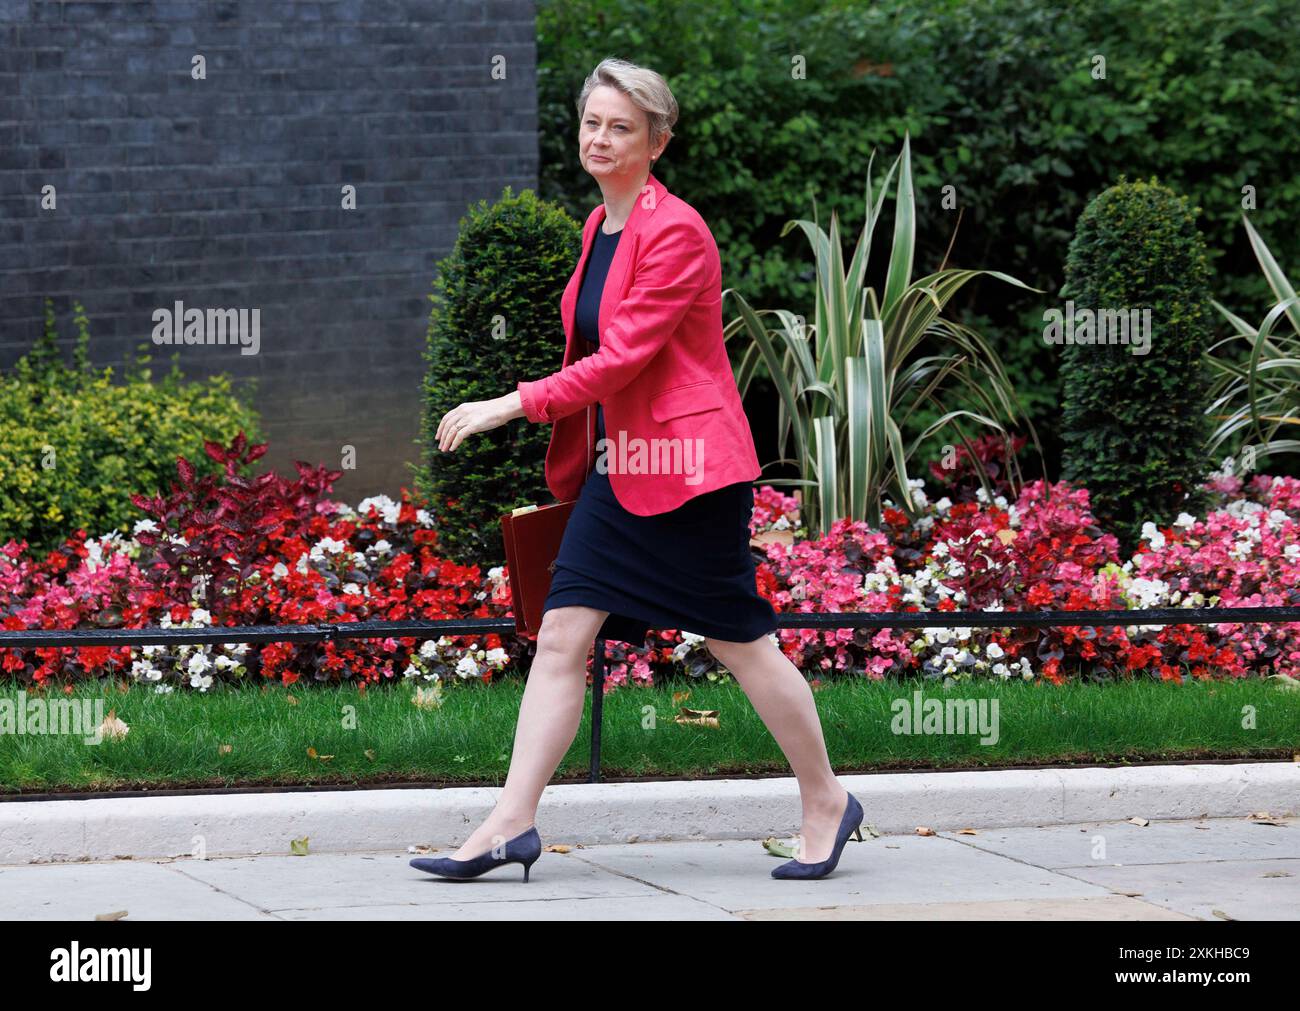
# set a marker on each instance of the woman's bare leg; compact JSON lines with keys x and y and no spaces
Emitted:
{"x":549,"y":715}
{"x":784,"y":702}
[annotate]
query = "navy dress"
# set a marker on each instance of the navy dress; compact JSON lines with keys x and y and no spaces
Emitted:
{"x":689,"y":569}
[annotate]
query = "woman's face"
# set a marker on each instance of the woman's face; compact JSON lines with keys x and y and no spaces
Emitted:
{"x":614,"y":136}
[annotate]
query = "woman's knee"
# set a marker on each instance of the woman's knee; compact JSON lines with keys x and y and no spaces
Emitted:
{"x":568,"y":631}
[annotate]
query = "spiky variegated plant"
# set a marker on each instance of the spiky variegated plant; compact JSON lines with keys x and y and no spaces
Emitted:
{"x":851,"y":380}
{"x":1266,"y":386}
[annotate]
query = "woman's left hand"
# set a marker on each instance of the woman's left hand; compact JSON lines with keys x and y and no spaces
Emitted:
{"x":468,"y":418}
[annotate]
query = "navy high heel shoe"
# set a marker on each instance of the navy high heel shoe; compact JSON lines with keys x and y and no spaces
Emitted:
{"x":850,"y":825}
{"x":522,"y":849}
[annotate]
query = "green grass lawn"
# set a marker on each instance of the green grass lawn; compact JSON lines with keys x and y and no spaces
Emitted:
{"x":261,"y":736}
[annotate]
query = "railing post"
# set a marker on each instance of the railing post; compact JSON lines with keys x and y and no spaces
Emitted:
{"x":597,"y":704}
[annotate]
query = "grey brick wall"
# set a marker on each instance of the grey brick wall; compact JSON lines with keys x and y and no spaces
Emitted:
{"x":227,"y":192}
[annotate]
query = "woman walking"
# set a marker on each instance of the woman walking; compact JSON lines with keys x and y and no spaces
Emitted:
{"x":650,"y":436}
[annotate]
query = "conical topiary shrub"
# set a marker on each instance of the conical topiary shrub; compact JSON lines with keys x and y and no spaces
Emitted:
{"x":495,"y":320}
{"x":1133,"y":421}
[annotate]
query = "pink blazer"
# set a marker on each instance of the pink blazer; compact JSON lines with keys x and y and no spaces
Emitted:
{"x":674,"y":422}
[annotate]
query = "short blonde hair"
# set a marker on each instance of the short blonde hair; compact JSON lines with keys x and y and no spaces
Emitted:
{"x":648,"y":91}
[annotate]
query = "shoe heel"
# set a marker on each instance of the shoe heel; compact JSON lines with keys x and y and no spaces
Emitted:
{"x":527,"y":866}
{"x":857,"y":834}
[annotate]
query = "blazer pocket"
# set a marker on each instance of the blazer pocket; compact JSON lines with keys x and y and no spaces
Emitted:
{"x":691,"y":398}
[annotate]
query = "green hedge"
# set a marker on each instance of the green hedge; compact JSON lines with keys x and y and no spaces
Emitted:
{"x":1002,"y":104}
{"x":76,"y":444}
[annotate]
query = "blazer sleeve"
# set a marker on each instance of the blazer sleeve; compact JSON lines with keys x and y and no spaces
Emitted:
{"x":668,"y":276}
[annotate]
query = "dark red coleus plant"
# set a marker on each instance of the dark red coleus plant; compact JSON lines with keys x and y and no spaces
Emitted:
{"x":227,"y":524}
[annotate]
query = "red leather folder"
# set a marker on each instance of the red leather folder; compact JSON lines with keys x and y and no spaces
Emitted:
{"x":532,"y":538}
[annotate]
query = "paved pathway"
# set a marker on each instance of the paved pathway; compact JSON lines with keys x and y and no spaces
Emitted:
{"x":1205,"y":869}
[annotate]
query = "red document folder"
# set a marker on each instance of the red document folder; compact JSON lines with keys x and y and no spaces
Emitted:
{"x":532,"y":537}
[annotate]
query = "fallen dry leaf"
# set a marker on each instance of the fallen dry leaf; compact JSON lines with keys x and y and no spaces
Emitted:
{"x":1139,"y":821}
{"x":782,"y":847}
{"x":680,"y":697}
{"x":224,"y":749}
{"x":115,"y":915}
{"x":369,"y":753}
{"x":291,"y":699}
{"x":923,"y":830}
{"x":557,"y":848}
{"x":298,"y":847}
{"x":311,"y":753}
{"x":427,"y":698}
{"x":967,"y":831}
{"x":1221,"y":914}
{"x":112,"y":727}
{"x":698,"y":717}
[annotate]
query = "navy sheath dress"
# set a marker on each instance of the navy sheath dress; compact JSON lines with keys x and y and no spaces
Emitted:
{"x":689,"y":569}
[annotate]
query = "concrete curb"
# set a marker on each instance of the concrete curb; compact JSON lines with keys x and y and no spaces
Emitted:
{"x":592,"y":814}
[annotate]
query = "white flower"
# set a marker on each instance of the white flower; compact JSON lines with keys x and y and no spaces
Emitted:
{"x":281,"y":570}
{"x":1148,"y":592}
{"x":411,"y":671}
{"x":1185,"y":520}
{"x":163,"y":689}
{"x":1150,"y":533}
{"x":1000,"y":669}
{"x":428,"y":648}
{"x":301,"y":565}
{"x":467,"y":668}
{"x":143,"y":669}
{"x":227,"y":662}
{"x":201,"y":681}
{"x":326,"y":544}
{"x":351,"y":588}
{"x":388,"y":509}
{"x":144,"y":526}
{"x":201,"y":616}
{"x":943,"y":505}
{"x":497,"y":657}
{"x":1291,"y":552}
{"x":918,"y":494}
{"x":359,"y":560}
{"x":994,"y":651}
{"x":423,"y":518}
{"x":198,"y":663}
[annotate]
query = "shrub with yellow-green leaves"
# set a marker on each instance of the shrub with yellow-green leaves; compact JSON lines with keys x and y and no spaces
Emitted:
{"x":77,"y":444}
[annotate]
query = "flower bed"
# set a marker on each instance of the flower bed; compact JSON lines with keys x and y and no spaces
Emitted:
{"x":266,"y":551}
